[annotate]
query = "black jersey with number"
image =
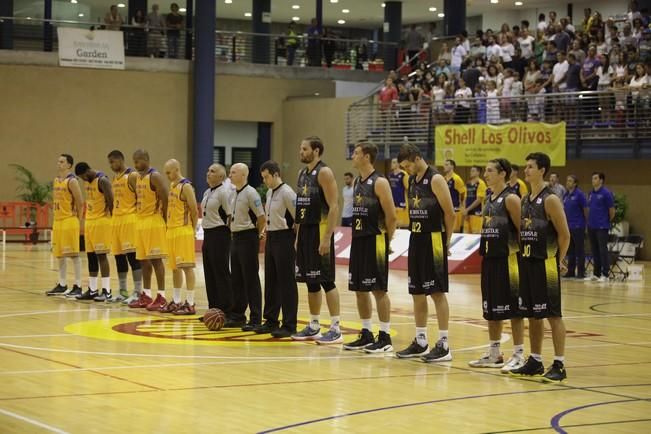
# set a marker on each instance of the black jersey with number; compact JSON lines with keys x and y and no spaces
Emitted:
{"x":368,"y":215}
{"x":311,"y":205}
{"x":538,"y":237}
{"x":425,"y":212}
{"x":498,"y":233}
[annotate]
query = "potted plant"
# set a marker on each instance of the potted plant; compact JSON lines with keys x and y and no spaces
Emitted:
{"x":619,"y":226}
{"x":31,"y":190}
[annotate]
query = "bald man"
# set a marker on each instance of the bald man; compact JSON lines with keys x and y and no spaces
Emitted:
{"x":247,"y":227}
{"x":181,"y":223}
{"x":151,"y":243}
{"x":216,"y":209}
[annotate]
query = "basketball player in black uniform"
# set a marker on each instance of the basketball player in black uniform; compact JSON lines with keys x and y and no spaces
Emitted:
{"x":317,"y":211}
{"x":374,"y":222}
{"x":431,"y":222}
{"x":544,"y":238}
{"x":500,"y":282}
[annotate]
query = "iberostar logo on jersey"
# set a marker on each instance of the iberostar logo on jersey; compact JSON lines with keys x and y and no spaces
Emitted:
{"x":179,"y":331}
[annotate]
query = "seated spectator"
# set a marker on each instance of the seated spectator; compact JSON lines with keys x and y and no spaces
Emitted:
{"x":441,"y":68}
{"x":113,"y":19}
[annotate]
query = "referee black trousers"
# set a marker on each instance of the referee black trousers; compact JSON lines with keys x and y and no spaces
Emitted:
{"x":280,"y":290}
{"x":244,"y":276}
{"x":216,"y":252}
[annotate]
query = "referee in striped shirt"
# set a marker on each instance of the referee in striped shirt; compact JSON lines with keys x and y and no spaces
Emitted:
{"x":280,"y":288}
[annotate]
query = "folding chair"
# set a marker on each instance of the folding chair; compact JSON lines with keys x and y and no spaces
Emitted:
{"x":618,"y":268}
{"x":631,"y":244}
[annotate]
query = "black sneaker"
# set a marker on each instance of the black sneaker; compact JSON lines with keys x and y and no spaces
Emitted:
{"x":57,"y":290}
{"x":282,"y":332}
{"x":533,"y":368}
{"x":74,"y":292}
{"x":104,"y":296}
{"x":265,"y":328}
{"x":364,"y":339}
{"x":413,"y":350}
{"x":438,"y":354}
{"x":88,"y":295}
{"x":250,"y":326}
{"x":233,"y":324}
{"x":381,"y":345}
{"x":555,"y":373}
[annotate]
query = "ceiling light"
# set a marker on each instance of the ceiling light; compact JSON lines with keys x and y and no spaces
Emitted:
{"x":121,"y":5}
{"x":432,"y":9}
{"x":80,"y":15}
{"x":247,"y":14}
{"x":518,"y":3}
{"x":228,"y":1}
{"x":495,"y":1}
{"x":182,"y":9}
{"x":334,"y":1}
{"x":296,"y":7}
{"x":384,"y":5}
{"x":316,"y":94}
{"x":345,"y":11}
{"x":73,"y":2}
{"x":441,"y":14}
{"x":341,"y":21}
{"x":296,"y":18}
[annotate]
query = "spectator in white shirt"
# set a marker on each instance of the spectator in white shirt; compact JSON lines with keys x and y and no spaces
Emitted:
{"x":526,"y":42}
{"x":508,"y":51}
{"x":462,"y":95}
{"x":458,"y":54}
{"x":347,"y":194}
{"x":493,"y":51}
{"x":640,"y":81}
{"x":542,"y":24}
{"x":559,"y":73}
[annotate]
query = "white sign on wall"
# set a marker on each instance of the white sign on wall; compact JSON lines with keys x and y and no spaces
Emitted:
{"x":83,"y":48}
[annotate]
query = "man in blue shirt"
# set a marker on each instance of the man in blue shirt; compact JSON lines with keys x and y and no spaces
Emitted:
{"x":576,"y":211}
{"x":601,"y":210}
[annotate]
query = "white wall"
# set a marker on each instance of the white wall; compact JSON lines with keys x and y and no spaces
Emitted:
{"x":344,"y":89}
{"x":230,"y":134}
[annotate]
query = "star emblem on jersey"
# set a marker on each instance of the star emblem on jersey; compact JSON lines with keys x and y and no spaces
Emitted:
{"x":527,"y":222}
{"x":416,"y":201}
{"x":487,"y":220}
{"x":304,"y":190}
{"x":358,"y":199}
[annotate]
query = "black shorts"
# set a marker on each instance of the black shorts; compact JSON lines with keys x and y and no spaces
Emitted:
{"x":310,"y":266}
{"x":500,"y":284}
{"x":427,"y":263}
{"x":368,"y":267}
{"x":540,"y":288}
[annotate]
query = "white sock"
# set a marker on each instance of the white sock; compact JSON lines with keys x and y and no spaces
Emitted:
{"x":421,"y":336}
{"x":537,"y":357}
{"x":176,"y":295}
{"x":147,"y":292}
{"x":314,"y":322}
{"x":367,"y":324}
{"x":518,"y":349}
{"x":560,"y":358}
{"x":334,"y":323}
{"x":76,"y":262}
{"x":63,"y":269}
{"x":189,"y":297}
{"x":385,"y":327}
{"x":106,"y":284}
{"x":92,"y":283}
{"x":494,"y":349}
{"x":160,"y":292}
{"x":443,"y":335}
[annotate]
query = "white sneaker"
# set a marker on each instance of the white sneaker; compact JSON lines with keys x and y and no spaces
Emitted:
{"x":515,"y":362}
{"x":602,"y":279}
{"x":589,"y":278}
{"x":486,"y":361}
{"x":134,"y":296}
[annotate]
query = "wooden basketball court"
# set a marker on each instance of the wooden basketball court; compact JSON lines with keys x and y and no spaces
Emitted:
{"x":74,"y":367}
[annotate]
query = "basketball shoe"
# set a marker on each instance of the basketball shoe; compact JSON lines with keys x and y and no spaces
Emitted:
{"x":57,"y":290}
{"x":440,"y":353}
{"x":185,"y":309}
{"x":104,"y":296}
{"x":73,"y":292}
{"x":88,"y":295}
{"x":516,"y":361}
{"x":555,"y":373}
{"x":142,"y":301}
{"x":158,"y":302}
{"x":364,"y":339}
{"x":331,"y":337}
{"x":170,"y":307}
{"x":307,"y":334}
{"x":533,"y":368}
{"x":486,"y":361}
{"x":381,"y":345}
{"x":413,"y":350}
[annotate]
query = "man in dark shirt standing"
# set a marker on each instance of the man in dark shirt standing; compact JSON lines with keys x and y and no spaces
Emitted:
{"x":174,"y":24}
{"x":314,"y":44}
{"x":576,"y":210}
{"x":601,"y":211}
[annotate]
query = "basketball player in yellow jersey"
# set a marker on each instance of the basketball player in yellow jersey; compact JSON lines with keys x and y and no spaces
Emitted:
{"x":181,"y":223}
{"x":457,"y":192}
{"x":123,"y":244}
{"x":97,"y":230}
{"x":475,"y":195}
{"x":68,"y":208}
{"x":151,"y":243}
{"x":517,"y":185}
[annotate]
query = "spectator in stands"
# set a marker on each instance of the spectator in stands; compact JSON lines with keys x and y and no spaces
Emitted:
{"x":405,"y":102}
{"x":517,"y":90}
{"x":291,"y":43}
{"x":387,"y":95}
{"x":542,"y":24}
{"x":579,"y":54}
{"x":414,"y":41}
{"x":555,"y":186}
{"x":568,"y":27}
{"x":457,"y":56}
{"x":492,"y":103}
{"x":587,"y":16}
{"x":438,"y":94}
{"x":347,"y":194}
{"x":441,"y":68}
{"x":524,"y":25}
{"x":155,"y":26}
{"x":644,"y":47}
{"x":627,"y":39}
{"x":448,"y":103}
{"x":493,"y":74}
{"x":575,"y":205}
{"x":444,"y":55}
{"x":601,"y":210}
{"x":526,"y":42}
{"x":531,"y":76}
{"x":480,"y":102}
{"x":551,"y":52}
{"x":399,"y":181}
{"x":518,"y":63}
{"x":508,"y":51}
{"x":561,"y":38}
{"x":493,"y":51}
{"x":477,"y":49}
{"x":552,"y":18}
{"x":536,"y":105}
{"x":174,"y":24}
{"x":639,"y":82}
{"x":589,"y":79}
{"x":539,"y":48}
{"x":462,"y":95}
{"x":314,"y":44}
{"x":138,"y":39}
{"x":113,"y":20}
{"x":470,"y":74}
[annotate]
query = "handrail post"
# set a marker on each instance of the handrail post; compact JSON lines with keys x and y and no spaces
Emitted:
{"x":233,"y":48}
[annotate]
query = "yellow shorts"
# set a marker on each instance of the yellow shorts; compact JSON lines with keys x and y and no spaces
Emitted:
{"x":458,"y":221}
{"x":180,"y":245}
{"x":124,"y":234}
{"x":65,"y":237}
{"x":97,"y":235}
{"x":402,"y":216}
{"x":150,"y":237}
{"x":472,"y":225}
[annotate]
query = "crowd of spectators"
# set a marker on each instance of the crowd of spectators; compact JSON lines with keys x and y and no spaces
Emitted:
{"x":504,"y":75}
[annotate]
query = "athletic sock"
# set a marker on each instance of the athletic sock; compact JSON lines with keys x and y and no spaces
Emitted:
{"x":367,"y":324}
{"x":176,"y":295}
{"x":137,"y":280}
{"x":334,"y":323}
{"x":421,"y":336}
{"x":537,"y":357}
{"x":560,"y":359}
{"x":385,"y":327}
{"x":106,"y":284}
{"x":314,"y":322}
{"x":189,"y":297}
{"x":443,"y":336}
{"x":147,"y":292}
{"x":122,"y":281}
{"x":92,"y":283}
{"x":519,"y":350}
{"x":76,"y":262}
{"x":494,"y":349}
{"x":62,"y":271}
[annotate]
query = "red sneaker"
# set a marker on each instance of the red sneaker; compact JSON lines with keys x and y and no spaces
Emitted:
{"x":158,"y":302}
{"x":141,"y":302}
{"x":185,"y":309}
{"x":170,"y":307}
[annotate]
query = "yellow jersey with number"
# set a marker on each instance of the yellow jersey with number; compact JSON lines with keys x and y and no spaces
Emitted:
{"x":124,"y":198}
{"x":64,"y":202}
{"x":146,"y":198}
{"x":95,"y":201}
{"x":177,"y":209}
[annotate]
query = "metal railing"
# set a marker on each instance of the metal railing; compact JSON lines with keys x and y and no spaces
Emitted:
{"x":608,"y":124}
